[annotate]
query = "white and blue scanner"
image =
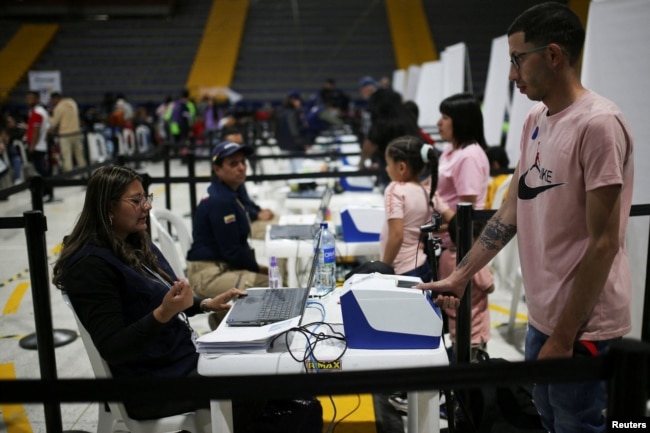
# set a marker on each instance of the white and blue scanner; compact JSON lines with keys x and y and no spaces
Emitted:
{"x":362,"y":223}
{"x":383,"y":312}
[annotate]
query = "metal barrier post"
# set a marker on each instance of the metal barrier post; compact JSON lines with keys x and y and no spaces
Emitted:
{"x":191,"y":173}
{"x":167,"y":176}
{"x":464,"y":313}
{"x":629,"y":362}
{"x":37,"y":189}
{"x":35,"y":226}
{"x":645,"y":324}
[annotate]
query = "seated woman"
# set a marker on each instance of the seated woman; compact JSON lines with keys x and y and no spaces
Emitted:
{"x":127,"y":296}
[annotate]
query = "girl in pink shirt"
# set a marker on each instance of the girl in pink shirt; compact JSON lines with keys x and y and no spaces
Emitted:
{"x":408,"y":206}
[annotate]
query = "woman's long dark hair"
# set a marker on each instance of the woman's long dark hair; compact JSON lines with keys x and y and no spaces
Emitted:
{"x":408,"y":149}
{"x":467,"y":119}
{"x":105,"y":187}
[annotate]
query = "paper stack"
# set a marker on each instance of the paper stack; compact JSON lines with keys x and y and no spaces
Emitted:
{"x":237,"y":339}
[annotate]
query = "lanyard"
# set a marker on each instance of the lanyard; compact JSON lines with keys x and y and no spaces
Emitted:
{"x":182,"y":316}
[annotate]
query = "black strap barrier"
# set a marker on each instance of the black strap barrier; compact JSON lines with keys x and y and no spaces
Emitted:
{"x":35,"y":226}
{"x":627,"y":361}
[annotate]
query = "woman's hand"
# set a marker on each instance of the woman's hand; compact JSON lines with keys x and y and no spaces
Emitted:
{"x":178,"y":298}
{"x":221,"y":302}
{"x":265,"y":215}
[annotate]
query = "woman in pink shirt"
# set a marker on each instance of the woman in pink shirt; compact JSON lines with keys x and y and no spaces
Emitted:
{"x":463,"y":168}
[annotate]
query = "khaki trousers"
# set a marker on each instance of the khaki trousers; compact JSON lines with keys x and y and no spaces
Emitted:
{"x":209,"y":279}
{"x":258,"y":228}
{"x":72,"y":145}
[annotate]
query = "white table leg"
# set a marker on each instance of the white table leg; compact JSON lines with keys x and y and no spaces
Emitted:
{"x":221,"y":411}
{"x":423,"y":412}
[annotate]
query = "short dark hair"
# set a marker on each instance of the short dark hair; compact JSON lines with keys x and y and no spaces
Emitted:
{"x":499,"y":155}
{"x":34,"y":93}
{"x":467,"y":118}
{"x":551,"y":23}
{"x":55,"y":95}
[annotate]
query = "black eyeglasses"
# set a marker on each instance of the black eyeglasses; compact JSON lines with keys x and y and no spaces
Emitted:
{"x":141,"y":201}
{"x":515,"y":59}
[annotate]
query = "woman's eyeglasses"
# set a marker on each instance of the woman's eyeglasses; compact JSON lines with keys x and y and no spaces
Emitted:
{"x":141,"y":201}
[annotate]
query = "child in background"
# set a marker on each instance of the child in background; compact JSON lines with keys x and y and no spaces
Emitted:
{"x":408,"y":206}
{"x":482,"y":285}
{"x":499,"y":174}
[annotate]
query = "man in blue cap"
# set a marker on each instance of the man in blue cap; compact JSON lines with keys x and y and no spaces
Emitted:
{"x":221,"y":256}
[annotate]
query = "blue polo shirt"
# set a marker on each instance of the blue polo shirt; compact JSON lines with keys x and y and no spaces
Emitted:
{"x":221,"y":228}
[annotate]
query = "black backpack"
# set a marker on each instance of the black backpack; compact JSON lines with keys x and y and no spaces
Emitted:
{"x":503,"y":409}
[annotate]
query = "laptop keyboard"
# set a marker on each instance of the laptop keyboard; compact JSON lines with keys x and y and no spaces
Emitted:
{"x":277,"y":304}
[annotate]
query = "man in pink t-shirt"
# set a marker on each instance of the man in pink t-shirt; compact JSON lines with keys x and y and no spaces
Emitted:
{"x":570,"y":212}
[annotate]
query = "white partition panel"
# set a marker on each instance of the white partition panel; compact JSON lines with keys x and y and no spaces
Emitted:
{"x":453,"y":69}
{"x":520,"y":107}
{"x":429,"y":93}
{"x":412,"y":80}
{"x":399,"y":81}
{"x":496,"y":100}
{"x":615,"y":65}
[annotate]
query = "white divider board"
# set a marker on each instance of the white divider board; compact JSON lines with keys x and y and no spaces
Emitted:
{"x":429,"y":93}
{"x":615,"y":65}
{"x":453,"y":69}
{"x":496,"y":101}
{"x":399,"y":81}
{"x":519,"y":108}
{"x":411,"y":83}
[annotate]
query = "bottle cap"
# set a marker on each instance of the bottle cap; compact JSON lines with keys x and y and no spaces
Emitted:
{"x":273,"y":261}
{"x":323,"y":224}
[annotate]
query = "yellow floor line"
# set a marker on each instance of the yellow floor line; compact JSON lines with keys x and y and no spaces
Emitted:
{"x":13,"y":415}
{"x":16,"y":297}
{"x":499,"y":309}
{"x":359,"y":420}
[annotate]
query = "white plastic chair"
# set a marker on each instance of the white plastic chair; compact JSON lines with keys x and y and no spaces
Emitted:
{"x":179,"y":227}
{"x":117,"y":419}
{"x":168,"y":247}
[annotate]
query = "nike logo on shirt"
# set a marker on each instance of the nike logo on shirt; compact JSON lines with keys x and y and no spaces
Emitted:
{"x":526,"y":192}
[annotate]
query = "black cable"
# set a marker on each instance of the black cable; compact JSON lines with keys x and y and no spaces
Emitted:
{"x":349,"y":413}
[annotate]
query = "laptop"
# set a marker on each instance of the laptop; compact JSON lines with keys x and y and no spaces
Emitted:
{"x":264,"y":306}
{"x":316,"y":193}
{"x":303,"y":232}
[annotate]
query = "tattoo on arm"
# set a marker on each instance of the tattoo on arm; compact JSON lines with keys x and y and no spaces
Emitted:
{"x":496,"y":234}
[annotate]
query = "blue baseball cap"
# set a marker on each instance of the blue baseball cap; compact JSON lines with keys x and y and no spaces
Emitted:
{"x":367,"y":81}
{"x":227,"y":148}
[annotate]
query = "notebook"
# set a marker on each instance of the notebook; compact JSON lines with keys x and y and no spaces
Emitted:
{"x":303,"y":231}
{"x":263,"y":306}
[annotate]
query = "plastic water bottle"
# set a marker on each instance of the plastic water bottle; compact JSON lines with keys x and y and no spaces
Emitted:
{"x":326,"y":270}
{"x":275,"y":280}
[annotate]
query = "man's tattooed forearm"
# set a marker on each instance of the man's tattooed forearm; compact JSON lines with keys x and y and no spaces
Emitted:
{"x":497,"y":234}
